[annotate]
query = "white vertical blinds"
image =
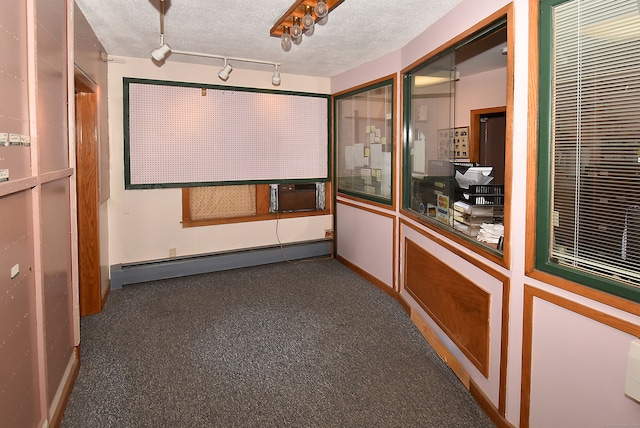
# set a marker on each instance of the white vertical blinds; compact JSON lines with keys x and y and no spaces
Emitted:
{"x":595,"y":132}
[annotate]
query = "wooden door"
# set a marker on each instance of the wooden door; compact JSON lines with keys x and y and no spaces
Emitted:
{"x":487,"y":140}
{"x":91,"y":299}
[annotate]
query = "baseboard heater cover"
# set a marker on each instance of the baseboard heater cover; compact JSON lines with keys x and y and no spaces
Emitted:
{"x":132,"y":273}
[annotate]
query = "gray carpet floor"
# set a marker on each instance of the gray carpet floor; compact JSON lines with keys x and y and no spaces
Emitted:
{"x":308,"y":344}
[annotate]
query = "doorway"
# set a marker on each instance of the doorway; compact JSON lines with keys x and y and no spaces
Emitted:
{"x":487,"y":139}
{"x":87,"y":188}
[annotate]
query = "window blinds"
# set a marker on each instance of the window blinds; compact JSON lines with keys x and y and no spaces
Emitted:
{"x":595,"y":138}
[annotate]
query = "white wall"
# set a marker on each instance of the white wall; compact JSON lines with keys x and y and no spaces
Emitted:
{"x":367,"y":241}
{"x":145,"y":224}
{"x":480,"y":91}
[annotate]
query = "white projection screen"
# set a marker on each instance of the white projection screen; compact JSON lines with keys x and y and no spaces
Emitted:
{"x":184,"y":134}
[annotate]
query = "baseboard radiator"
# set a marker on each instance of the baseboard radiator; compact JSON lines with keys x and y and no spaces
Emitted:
{"x":132,"y":273}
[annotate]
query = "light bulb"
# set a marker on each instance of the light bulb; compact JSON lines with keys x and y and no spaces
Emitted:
{"x":321,"y":9}
{"x":296,"y":30}
{"x":297,"y":41}
{"x":285,"y":40}
{"x":309,"y":31}
{"x":307,"y":19}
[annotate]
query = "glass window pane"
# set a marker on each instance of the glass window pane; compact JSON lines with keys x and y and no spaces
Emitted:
{"x":590,"y":133}
{"x":364,"y":142}
{"x":455,"y":105}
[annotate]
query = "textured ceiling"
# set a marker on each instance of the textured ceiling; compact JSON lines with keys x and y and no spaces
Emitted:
{"x":357,"y":31}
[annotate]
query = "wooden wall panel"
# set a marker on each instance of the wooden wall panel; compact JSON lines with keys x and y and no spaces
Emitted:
{"x":456,"y":304}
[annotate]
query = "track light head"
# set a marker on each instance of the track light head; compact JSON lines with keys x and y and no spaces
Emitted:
{"x":275,"y":79}
{"x":159,"y":54}
{"x":224,"y":73}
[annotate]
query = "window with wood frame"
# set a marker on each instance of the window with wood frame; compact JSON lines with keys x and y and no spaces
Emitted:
{"x":208,"y":205}
{"x":455,"y":177}
{"x":588,"y":206}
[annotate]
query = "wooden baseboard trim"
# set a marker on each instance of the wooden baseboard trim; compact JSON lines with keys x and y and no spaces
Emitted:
{"x":61,"y":399}
{"x":375,"y":281}
{"x":488,"y":407}
{"x":442,"y":350}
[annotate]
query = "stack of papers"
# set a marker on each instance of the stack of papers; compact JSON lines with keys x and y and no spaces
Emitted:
{"x":474,"y":210}
{"x":490,"y":233}
{"x":474,"y":175}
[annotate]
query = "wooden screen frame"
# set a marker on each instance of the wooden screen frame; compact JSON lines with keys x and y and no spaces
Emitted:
{"x":172,"y":139}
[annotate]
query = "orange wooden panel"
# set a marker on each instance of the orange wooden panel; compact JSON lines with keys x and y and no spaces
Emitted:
{"x":456,"y":304}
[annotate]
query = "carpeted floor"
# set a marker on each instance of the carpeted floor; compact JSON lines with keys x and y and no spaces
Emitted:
{"x":309,"y":344}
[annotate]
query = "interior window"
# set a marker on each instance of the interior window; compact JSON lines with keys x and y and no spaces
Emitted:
{"x":589,"y":150}
{"x":454,"y":175}
{"x":364,"y":141}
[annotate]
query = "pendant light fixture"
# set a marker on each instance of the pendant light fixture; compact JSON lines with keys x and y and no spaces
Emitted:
{"x":301,"y":19}
{"x":307,"y":19}
{"x":321,"y":9}
{"x":296,"y":30}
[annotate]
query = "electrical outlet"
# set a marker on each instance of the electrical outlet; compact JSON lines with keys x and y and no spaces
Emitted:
{"x":172,"y":252}
{"x":328,"y":233}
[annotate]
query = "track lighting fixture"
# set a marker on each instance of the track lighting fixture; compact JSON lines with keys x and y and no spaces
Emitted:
{"x":160,"y":53}
{"x":224,"y":73}
{"x":275,"y":79}
{"x":301,"y":18}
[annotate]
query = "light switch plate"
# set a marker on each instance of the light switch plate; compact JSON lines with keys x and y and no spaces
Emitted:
{"x":15,"y":270}
{"x":632,"y":384}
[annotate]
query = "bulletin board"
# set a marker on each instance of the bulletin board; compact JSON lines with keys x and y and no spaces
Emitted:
{"x":184,"y":134}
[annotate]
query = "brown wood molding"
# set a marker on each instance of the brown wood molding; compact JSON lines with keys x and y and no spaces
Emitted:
{"x":532,"y":172}
{"x":392,"y":216}
{"x":366,"y":275}
{"x":441,"y":349}
{"x":530,"y":294}
{"x":506,"y":293}
{"x":263,"y":195}
{"x":474,"y":132}
{"x":496,"y":415}
{"x":87,"y":200}
{"x":459,"y":307}
{"x":56,"y":418}
{"x":449,"y":234}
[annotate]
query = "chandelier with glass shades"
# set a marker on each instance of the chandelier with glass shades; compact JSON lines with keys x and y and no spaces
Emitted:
{"x":301,"y":19}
